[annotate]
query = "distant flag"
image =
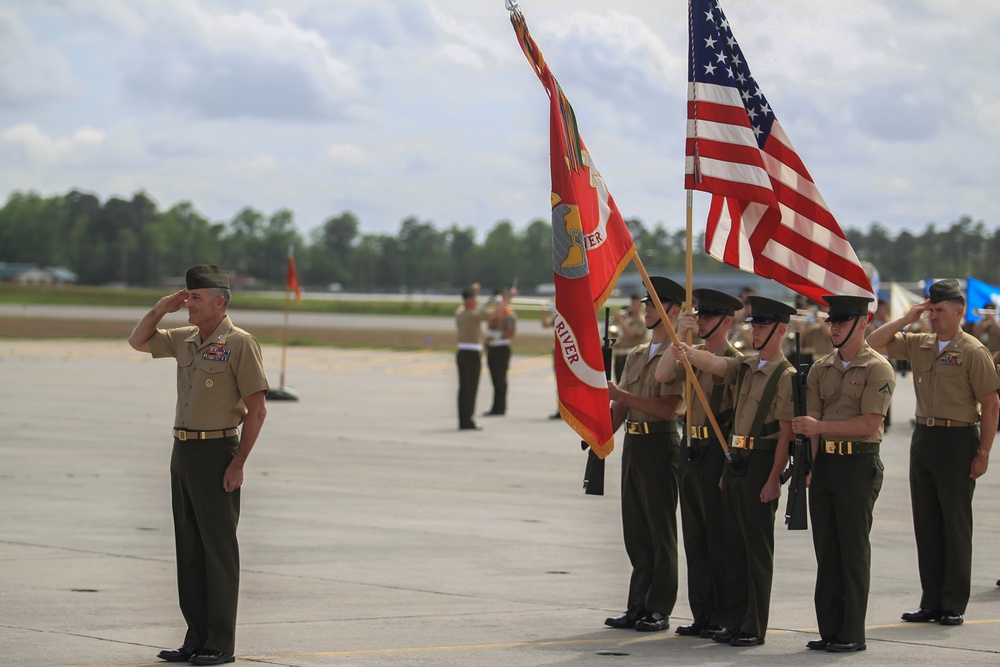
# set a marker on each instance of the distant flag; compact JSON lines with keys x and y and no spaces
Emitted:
{"x":590,"y":247}
{"x":766,"y":216}
{"x":292,"y":284}
{"x":979,"y":296}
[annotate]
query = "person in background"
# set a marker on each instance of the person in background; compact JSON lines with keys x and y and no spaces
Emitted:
{"x":632,"y":332}
{"x":500,"y":332}
{"x":469,"y":318}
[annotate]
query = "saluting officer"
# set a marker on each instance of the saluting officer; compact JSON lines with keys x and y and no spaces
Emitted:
{"x":650,"y":455}
{"x":849,"y":394}
{"x":220,"y":385}
{"x":469,"y":318}
{"x":499,"y":335}
{"x":955,"y":383}
{"x":762,"y":429}
{"x":702,"y":461}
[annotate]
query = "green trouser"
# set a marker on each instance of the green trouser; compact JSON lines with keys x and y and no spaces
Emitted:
{"x":701,"y":523}
{"x":842,"y":495}
{"x":941,"y":498}
{"x":470,"y":365}
{"x":649,"y":519}
{"x":208,"y":556}
{"x":749,"y":537}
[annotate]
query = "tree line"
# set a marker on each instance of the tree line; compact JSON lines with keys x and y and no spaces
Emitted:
{"x":132,"y":242}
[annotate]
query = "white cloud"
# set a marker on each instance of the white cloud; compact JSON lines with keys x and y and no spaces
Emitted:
{"x":32,"y":74}
{"x":393,"y":108}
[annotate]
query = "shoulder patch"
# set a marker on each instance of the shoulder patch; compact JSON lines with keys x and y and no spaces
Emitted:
{"x":885,"y":389}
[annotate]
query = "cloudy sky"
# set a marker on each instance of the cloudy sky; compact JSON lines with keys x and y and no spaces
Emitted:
{"x":393,"y":108}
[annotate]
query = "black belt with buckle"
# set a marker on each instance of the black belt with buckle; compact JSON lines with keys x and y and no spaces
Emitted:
{"x":754,"y":444}
{"x":184,"y":434}
{"x":645,"y":428}
{"x":953,"y":423}
{"x":842,"y":448}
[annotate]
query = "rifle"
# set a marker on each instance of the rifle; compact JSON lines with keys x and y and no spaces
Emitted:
{"x":796,"y":512}
{"x":593,"y":475}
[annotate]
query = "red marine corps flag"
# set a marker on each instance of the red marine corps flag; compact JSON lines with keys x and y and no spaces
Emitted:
{"x":767,"y":216}
{"x":590,"y":247}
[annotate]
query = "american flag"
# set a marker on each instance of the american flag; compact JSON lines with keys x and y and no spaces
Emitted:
{"x":766,"y":216}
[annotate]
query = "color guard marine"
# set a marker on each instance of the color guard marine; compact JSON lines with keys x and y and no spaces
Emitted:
{"x":762,"y":430}
{"x":849,"y":392}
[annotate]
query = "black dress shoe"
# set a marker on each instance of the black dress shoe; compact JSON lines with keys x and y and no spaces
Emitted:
{"x":627,"y":620}
{"x":921,"y":615}
{"x":470,"y":427}
{"x":710,"y":631}
{"x":818,"y":644}
{"x":209,"y":657}
{"x":845,"y":647}
{"x":653,"y":621}
{"x":744,"y":639}
{"x":693,"y":630}
{"x":182,"y":654}
{"x":723,"y":636}
{"x":556,"y":415}
{"x":492,"y":413}
{"x":951,"y":618}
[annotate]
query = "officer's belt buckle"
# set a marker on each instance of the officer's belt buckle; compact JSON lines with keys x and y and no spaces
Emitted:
{"x":742,"y":442}
{"x":699,"y":432}
{"x":840,"y":448}
{"x":929,"y":421}
{"x":182,"y":435}
{"x":637,"y":428}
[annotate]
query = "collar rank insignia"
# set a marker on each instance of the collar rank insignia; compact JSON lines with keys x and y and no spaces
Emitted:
{"x":215,"y":353}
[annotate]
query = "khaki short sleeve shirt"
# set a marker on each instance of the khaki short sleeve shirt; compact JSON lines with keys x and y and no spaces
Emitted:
{"x":748,"y":400}
{"x":865,"y":387}
{"x":638,"y":379}
{"x":947,"y":382}
{"x":708,"y":384}
{"x":469,"y":325}
{"x":213,"y":376}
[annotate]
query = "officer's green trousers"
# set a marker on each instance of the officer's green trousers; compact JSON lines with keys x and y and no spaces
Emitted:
{"x":208,"y":557}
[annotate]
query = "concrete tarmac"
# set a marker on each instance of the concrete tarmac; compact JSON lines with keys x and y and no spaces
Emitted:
{"x":373,"y":532}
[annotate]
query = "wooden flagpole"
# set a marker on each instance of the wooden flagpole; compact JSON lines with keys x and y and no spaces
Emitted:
{"x":654,"y":297}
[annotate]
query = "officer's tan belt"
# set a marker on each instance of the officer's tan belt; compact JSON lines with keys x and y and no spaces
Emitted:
{"x":932,"y":421}
{"x":184,"y":434}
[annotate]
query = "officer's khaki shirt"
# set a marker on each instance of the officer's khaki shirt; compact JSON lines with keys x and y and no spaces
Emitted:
{"x":708,"y":384}
{"x":753,"y":386}
{"x":212,"y":375}
{"x":947,"y":383}
{"x":504,"y":330}
{"x":865,"y":387}
{"x":469,"y":325}
{"x":638,"y":379}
